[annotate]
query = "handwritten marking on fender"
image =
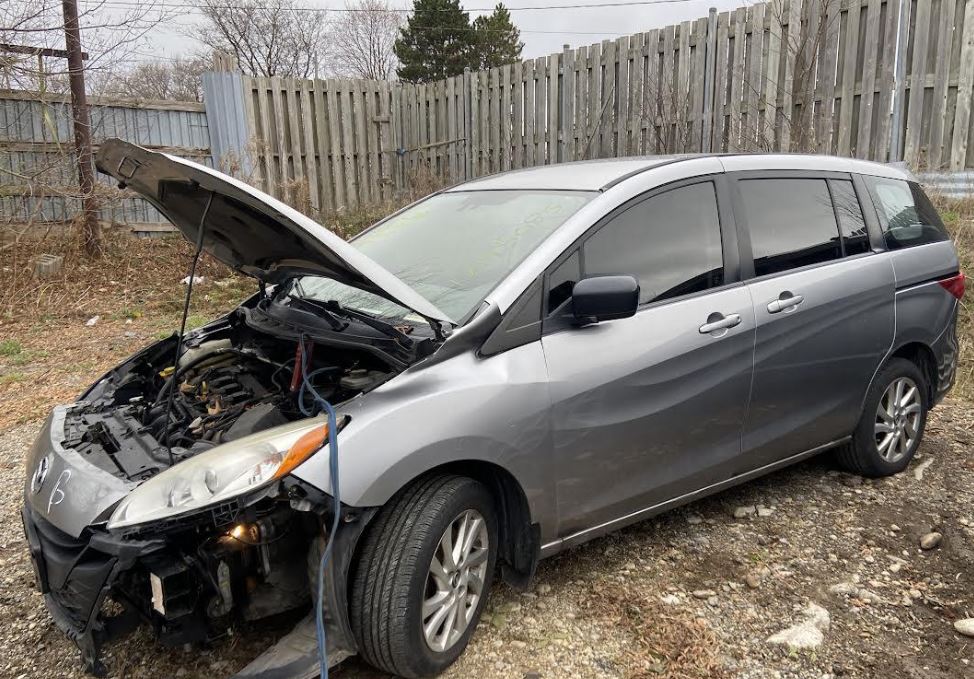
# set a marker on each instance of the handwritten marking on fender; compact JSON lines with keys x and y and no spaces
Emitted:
{"x":57,"y":495}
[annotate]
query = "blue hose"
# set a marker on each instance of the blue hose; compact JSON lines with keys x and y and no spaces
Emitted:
{"x":325,"y":406}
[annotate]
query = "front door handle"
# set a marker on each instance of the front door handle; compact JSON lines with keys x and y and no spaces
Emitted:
{"x":786,"y":302}
{"x":718,"y":321}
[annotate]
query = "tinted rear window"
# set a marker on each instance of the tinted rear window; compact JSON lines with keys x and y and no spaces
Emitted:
{"x":791,"y":223}
{"x":905,"y":213}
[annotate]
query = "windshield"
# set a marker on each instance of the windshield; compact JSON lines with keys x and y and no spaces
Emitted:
{"x":452,"y":248}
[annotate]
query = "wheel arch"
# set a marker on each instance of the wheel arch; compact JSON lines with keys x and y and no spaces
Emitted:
{"x":519,"y":538}
{"x":921,"y":355}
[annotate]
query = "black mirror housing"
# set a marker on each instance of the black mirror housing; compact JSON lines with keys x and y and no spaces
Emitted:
{"x":604,"y":298}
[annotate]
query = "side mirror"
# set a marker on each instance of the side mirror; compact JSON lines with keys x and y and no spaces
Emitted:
{"x":604,"y":298}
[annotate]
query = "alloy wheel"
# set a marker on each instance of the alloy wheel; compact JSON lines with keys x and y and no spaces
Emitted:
{"x":455,"y":581}
{"x":898,"y":419}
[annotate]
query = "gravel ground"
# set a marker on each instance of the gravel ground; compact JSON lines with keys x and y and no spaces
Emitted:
{"x":696,"y":592}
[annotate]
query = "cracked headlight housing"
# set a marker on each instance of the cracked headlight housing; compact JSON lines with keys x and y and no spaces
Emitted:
{"x":222,"y":473}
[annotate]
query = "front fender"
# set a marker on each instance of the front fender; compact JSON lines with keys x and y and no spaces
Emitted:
{"x":466,"y":408}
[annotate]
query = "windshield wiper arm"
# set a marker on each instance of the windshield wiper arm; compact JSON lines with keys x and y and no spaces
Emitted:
{"x":321,"y":309}
{"x":384,"y":327}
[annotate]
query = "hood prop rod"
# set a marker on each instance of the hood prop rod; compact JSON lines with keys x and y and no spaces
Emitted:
{"x":182,"y":325}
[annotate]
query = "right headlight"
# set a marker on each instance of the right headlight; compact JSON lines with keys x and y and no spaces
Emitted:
{"x":226,"y":471}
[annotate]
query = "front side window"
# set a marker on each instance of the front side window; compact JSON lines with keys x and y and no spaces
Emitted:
{"x":905,"y":213}
{"x":670,"y":243}
{"x":562,"y":280}
{"x":791,"y":223}
{"x":453,"y":248}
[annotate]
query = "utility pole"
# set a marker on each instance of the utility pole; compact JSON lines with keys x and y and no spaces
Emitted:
{"x":90,"y":228}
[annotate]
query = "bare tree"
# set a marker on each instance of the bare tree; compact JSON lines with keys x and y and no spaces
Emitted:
{"x":112,"y":35}
{"x":176,"y":80}
{"x":38,"y":29}
{"x":364,"y":36}
{"x":267,"y":37}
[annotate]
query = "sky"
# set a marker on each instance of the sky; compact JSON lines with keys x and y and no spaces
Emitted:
{"x":542,"y":31}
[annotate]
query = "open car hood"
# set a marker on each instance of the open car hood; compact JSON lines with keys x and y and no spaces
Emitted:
{"x":248,"y":230}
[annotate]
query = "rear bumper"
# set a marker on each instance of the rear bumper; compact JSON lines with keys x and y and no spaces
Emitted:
{"x":75,"y":575}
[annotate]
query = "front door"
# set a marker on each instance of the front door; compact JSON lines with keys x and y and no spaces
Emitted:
{"x":823,"y":304}
{"x":650,"y":407}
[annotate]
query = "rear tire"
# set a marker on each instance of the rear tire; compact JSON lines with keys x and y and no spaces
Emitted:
{"x":892,"y":423}
{"x":406,"y":581}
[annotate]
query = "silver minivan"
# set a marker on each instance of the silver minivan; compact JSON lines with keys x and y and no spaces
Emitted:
{"x":498,"y":372}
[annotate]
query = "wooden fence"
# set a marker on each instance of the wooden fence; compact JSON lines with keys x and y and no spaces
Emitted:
{"x":798,"y":75}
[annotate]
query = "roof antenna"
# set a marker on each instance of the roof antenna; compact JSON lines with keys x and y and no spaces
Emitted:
{"x":182,"y":325}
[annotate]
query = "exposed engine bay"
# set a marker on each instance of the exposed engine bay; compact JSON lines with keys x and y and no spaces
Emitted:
{"x":231,"y":381}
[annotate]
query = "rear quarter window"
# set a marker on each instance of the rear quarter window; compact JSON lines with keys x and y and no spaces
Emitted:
{"x":906,"y":215}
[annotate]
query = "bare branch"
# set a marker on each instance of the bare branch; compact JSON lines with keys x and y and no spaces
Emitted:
{"x":364,"y":39}
{"x":267,"y":38}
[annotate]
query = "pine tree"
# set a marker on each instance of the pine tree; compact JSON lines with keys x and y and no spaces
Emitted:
{"x":498,"y":39}
{"x":437,"y":42}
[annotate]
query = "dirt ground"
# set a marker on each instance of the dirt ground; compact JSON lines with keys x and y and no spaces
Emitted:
{"x":691,"y":594}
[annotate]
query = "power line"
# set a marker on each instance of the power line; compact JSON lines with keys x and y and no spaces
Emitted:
{"x":298,"y":8}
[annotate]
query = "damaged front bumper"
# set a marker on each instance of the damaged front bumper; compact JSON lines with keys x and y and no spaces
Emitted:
{"x":75,"y":575}
{"x":101,"y":585}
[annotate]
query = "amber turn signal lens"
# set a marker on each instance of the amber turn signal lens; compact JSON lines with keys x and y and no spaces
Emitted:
{"x":303,"y":448}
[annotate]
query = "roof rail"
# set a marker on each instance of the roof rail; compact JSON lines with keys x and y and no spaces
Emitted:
{"x":669,"y":161}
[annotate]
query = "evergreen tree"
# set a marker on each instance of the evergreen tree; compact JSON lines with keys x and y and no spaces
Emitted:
{"x":437,"y":42}
{"x":498,"y":39}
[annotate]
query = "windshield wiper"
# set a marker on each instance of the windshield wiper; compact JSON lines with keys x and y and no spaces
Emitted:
{"x":384,"y":327}
{"x":321,"y":309}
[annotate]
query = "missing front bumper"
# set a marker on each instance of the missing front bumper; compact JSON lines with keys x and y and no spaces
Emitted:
{"x":75,"y":575}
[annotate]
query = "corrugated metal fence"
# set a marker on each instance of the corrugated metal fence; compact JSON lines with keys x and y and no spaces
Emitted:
{"x":38,"y":180}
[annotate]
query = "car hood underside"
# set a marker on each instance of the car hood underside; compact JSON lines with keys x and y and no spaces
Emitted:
{"x":248,"y":230}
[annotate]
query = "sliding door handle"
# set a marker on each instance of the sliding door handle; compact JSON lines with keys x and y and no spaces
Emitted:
{"x":786,"y":302}
{"x":717,"y":322}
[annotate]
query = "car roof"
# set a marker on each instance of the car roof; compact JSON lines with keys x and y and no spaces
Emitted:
{"x":599,"y":175}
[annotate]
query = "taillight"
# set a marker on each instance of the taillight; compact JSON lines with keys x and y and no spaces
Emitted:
{"x":954,"y":285}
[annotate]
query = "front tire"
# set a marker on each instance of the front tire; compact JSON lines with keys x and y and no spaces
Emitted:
{"x":892,"y":423}
{"x":423,"y":576}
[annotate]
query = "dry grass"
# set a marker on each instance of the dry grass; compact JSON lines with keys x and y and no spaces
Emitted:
{"x":667,"y":643}
{"x":48,"y":354}
{"x":958,"y":215}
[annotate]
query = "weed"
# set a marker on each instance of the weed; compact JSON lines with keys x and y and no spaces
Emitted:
{"x":131,"y":314}
{"x":196,"y":321}
{"x":10,"y":347}
{"x":26,"y":357}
